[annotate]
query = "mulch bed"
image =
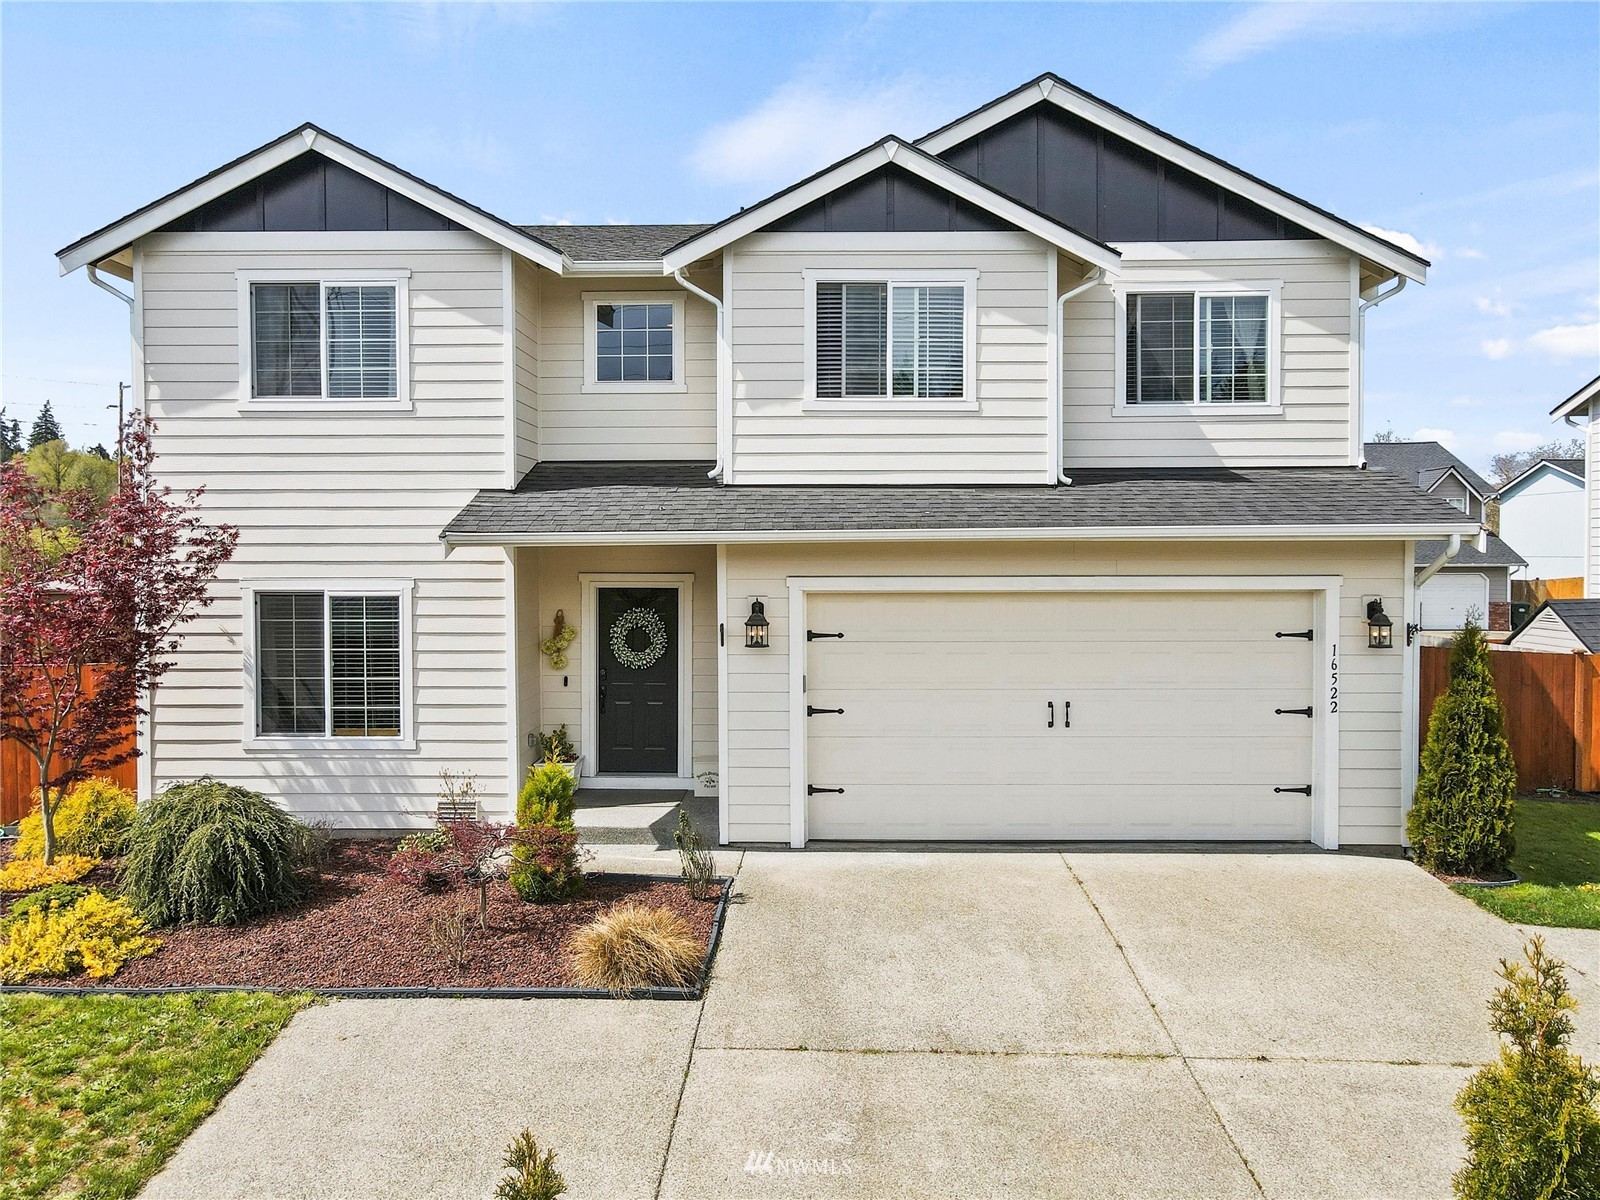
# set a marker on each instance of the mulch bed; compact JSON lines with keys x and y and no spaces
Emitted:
{"x":358,"y":928}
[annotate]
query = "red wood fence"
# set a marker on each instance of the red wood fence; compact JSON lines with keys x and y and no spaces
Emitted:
{"x":19,"y":775}
{"x":1552,"y":705}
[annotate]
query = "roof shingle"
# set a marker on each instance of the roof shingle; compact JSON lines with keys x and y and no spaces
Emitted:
{"x":612,"y":243}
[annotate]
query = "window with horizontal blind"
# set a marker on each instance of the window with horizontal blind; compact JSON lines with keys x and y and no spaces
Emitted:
{"x":325,"y":340}
{"x":885,"y":340}
{"x":329,"y":664}
{"x":1197,"y":347}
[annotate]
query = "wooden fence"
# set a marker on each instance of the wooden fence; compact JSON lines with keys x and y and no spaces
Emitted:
{"x":19,"y":776}
{"x":1552,"y":704}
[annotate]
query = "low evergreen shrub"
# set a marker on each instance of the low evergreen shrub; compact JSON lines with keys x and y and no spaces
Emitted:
{"x":92,"y":819}
{"x":1462,"y":815}
{"x":97,"y":935}
{"x":64,"y":895}
{"x":30,"y":874}
{"x":1532,"y":1121}
{"x":530,"y":1174}
{"x":209,"y":853}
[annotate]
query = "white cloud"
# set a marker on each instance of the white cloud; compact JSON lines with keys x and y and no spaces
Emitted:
{"x":1469,"y":252}
{"x":1517,"y":439}
{"x":804,"y":125}
{"x":1492,"y":305}
{"x":1267,"y":26}
{"x":1406,"y":241}
{"x":1567,"y":341}
{"x":1498,"y":347}
{"x":1445,"y":437}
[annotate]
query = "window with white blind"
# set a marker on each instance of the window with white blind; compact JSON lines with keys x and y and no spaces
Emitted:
{"x":330,"y":342}
{"x":330,"y":664}
{"x":1185,"y":346}
{"x":890,"y":340}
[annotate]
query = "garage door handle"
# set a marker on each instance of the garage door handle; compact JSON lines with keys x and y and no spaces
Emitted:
{"x":811,"y":712}
{"x":1293,"y":712}
{"x":1066,"y":714}
{"x":1051,"y":723}
{"x":815,"y":791}
{"x":1304,"y":791}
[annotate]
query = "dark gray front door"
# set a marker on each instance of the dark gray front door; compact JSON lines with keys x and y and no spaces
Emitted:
{"x":638,"y":692}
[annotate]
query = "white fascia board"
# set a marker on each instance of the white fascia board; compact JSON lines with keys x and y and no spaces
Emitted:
{"x":1126,"y":533}
{"x":1370,"y":248}
{"x":619,"y":266}
{"x":1578,"y":403}
{"x":935,"y":172}
{"x":275,"y":155}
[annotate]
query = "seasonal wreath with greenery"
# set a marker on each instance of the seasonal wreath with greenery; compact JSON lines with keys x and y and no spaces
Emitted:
{"x":651,"y":625}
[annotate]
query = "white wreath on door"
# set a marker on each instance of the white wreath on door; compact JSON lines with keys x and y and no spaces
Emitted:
{"x":654,"y":628}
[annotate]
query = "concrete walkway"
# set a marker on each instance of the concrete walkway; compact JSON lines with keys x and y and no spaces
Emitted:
{"x":925,"y":1024}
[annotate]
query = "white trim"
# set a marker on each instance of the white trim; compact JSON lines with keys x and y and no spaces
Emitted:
{"x":275,"y":154}
{"x":398,"y":278}
{"x":725,"y":380}
{"x":1581,"y":398}
{"x":966,"y":280}
{"x":919,"y":163}
{"x":508,"y":322}
{"x":1462,"y":479}
{"x":1410,"y":681}
{"x":1272,"y":289}
{"x":1055,"y":390}
{"x":513,"y":688}
{"x":722,"y":695}
{"x":1325,"y":590}
{"x":589,"y":726}
{"x":1506,"y":490}
{"x":404,"y":590}
{"x":606,"y":267}
{"x":1358,"y":336}
{"x":1164,"y":146}
{"x":1126,"y":533}
{"x":591,"y":300}
{"x":1211,"y":252}
{"x":623,"y":783}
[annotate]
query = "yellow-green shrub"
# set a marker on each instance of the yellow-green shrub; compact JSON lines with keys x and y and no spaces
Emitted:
{"x":97,"y":935}
{"x":92,"y":818}
{"x":26,"y":874}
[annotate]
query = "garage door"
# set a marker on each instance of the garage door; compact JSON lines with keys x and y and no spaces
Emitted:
{"x":1450,"y":597}
{"x":1059,"y":716}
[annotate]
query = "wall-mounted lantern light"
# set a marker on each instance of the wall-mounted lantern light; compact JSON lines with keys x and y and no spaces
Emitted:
{"x":755,"y":626}
{"x":1380,"y":629}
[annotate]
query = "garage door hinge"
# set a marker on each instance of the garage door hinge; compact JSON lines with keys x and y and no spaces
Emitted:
{"x":1293,"y":712}
{"x":1309,"y":635}
{"x":811,"y":712}
{"x":812,"y":635}
{"x":814,"y":791}
{"x":1304,"y":791}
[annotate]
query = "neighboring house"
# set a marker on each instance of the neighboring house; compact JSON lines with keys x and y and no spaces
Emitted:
{"x":1002,"y":484}
{"x":1561,"y":627}
{"x":1582,"y":405}
{"x":1474,"y":582}
{"x":1542,"y":514}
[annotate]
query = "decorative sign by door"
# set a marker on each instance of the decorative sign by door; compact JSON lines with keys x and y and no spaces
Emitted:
{"x":637,"y":697}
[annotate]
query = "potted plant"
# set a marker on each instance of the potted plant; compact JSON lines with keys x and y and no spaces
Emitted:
{"x":556,"y":746}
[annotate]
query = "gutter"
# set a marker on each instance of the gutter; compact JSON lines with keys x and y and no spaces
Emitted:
{"x":724,"y":392}
{"x":1057,"y":399}
{"x":1451,"y":549}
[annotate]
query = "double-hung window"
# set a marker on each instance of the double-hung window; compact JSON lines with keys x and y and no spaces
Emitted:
{"x":330,"y":663}
{"x":891,"y":340}
{"x":338,"y":342}
{"x":1199,"y":347}
{"x":633,"y":342}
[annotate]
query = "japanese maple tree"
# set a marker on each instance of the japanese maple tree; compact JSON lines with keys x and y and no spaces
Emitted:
{"x":92,"y":596}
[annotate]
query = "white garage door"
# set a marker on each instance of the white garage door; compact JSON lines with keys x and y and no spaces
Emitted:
{"x":1450,"y":596}
{"x":1059,"y":716}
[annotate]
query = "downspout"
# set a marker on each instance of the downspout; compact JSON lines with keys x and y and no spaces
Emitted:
{"x":1451,"y":549}
{"x":724,"y":399}
{"x":1056,"y":391}
{"x":1361,"y":353}
{"x":94,"y":278}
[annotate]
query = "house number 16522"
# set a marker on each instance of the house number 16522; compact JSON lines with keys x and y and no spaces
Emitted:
{"x":1333,"y":680}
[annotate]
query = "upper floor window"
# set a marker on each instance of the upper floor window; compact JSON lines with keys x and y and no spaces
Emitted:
{"x":890,"y":340}
{"x":1199,"y":347}
{"x":633,"y":342}
{"x":338,"y":341}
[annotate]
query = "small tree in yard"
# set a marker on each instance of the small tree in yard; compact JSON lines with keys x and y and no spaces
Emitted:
{"x":1462,"y":816}
{"x":90,"y":611}
{"x":1533,"y":1128}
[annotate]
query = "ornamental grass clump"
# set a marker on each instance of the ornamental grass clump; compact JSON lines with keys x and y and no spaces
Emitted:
{"x":1533,"y":1116}
{"x":633,"y":947}
{"x":530,"y":1175}
{"x":97,"y":935}
{"x":1461,"y":820}
{"x":209,"y":853}
{"x":91,"y":819}
{"x":29,"y":874}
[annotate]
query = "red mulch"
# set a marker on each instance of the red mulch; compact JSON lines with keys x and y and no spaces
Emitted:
{"x":358,"y":928}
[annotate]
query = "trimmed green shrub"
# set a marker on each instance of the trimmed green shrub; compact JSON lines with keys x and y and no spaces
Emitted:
{"x":547,"y":796}
{"x":63,"y":894}
{"x":546,"y":862}
{"x":91,"y":819}
{"x":209,"y":853}
{"x":1532,"y":1122}
{"x":530,"y":1175}
{"x":1461,"y":819}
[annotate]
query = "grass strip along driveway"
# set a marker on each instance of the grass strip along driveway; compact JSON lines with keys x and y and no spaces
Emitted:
{"x":1558,"y":857}
{"x":99,"y":1090}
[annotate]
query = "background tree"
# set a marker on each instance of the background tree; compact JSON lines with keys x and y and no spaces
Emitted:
{"x":1506,"y":467}
{"x":1386,"y":435}
{"x":90,"y":611}
{"x":1462,"y":816}
{"x":45,"y":428}
{"x":60,"y":471}
{"x":11,"y":443}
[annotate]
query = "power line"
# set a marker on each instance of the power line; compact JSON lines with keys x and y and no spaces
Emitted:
{"x":47,"y":379}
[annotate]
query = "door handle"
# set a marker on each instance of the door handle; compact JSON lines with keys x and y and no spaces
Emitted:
{"x":1051,"y":723}
{"x":601,"y":697}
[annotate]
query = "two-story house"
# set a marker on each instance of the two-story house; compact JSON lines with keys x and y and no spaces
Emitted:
{"x":1001,"y":484}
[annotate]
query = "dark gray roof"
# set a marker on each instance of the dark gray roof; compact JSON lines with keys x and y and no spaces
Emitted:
{"x":612,"y":243}
{"x":662,"y":497}
{"x":1573,"y":465}
{"x":1422,"y":463}
{"x":1498,"y":554}
{"x":1580,"y":616}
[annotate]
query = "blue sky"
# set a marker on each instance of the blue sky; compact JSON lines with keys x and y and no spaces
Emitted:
{"x":1471,"y":130}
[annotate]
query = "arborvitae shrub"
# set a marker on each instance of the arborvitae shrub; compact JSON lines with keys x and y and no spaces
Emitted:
{"x":547,"y":863}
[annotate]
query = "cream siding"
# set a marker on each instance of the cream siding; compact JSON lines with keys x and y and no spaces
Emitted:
{"x":1316,"y":304}
{"x":1370,"y":681}
{"x":779,"y":436}
{"x":338,"y":497}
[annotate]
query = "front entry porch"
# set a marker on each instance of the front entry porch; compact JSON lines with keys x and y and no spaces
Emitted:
{"x":641,"y":817}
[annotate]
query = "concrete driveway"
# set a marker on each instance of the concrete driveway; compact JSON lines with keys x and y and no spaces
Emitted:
{"x":934,"y":1023}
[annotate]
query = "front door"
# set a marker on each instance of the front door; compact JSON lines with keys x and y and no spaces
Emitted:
{"x":637,"y":697}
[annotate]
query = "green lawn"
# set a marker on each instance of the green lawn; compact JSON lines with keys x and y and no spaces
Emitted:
{"x":97,"y":1091}
{"x":1558,"y":848}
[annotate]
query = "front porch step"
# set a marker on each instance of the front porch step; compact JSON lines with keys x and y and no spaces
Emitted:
{"x":640,"y":818}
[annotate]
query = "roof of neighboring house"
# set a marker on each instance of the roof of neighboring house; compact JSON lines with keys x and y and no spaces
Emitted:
{"x":1582,"y":617}
{"x":1495,"y":554}
{"x":613,"y":243}
{"x":1423,"y":463}
{"x":580,"y":500}
{"x":1579,"y":399}
{"x":1572,"y":467}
